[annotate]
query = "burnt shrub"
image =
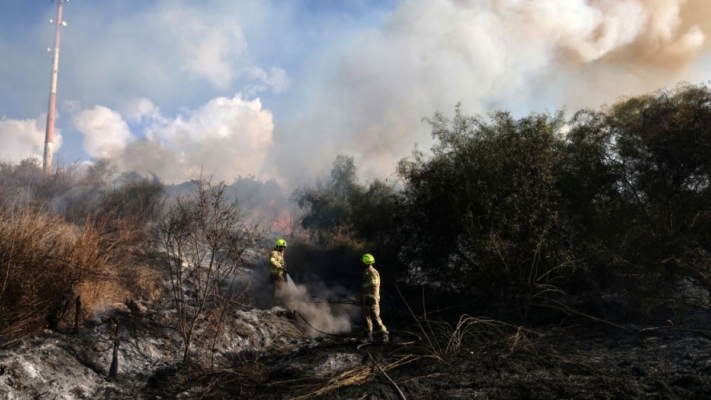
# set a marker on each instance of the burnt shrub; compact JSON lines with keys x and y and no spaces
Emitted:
{"x":204,"y":235}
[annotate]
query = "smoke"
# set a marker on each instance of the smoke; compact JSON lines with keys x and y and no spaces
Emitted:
{"x":276,"y":79}
{"x":25,"y":138}
{"x":224,"y":137}
{"x":208,"y":49}
{"x":512,"y":54}
{"x":320,"y":316}
{"x":309,"y":297}
{"x":106,"y":132}
{"x":365,"y":95}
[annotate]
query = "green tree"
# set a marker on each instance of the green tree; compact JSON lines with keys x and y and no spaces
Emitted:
{"x":653,"y":221}
{"x":329,"y":206}
{"x":482,"y":211}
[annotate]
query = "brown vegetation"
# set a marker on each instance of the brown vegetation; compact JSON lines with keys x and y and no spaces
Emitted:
{"x":48,"y":258}
{"x":45,"y":261}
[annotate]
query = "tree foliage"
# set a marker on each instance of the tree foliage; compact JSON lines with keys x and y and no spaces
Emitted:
{"x":649,"y":204}
{"x":345,"y":205}
{"x":531,"y":210}
{"x":482,"y":211}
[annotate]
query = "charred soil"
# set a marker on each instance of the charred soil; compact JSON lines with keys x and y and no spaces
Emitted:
{"x":585,"y":361}
{"x":268,"y":357}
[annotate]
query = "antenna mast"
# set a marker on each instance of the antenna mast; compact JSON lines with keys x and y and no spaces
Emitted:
{"x":49,"y":135}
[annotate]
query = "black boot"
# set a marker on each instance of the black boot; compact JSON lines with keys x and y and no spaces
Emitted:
{"x":368,"y":337}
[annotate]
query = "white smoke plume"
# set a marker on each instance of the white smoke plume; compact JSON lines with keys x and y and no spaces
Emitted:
{"x":225,"y":137}
{"x":518,"y":55}
{"x":106,"y":132}
{"x":24,"y":138}
{"x":368,"y":99}
{"x":317,"y":310}
{"x":320,"y":317}
{"x":209,"y":49}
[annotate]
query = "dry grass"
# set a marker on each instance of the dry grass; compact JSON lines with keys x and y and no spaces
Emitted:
{"x":42,"y":257}
{"x":75,"y":232}
{"x":444,"y":342}
{"x":356,"y":376}
{"x":99,"y":294}
{"x":143,"y":282}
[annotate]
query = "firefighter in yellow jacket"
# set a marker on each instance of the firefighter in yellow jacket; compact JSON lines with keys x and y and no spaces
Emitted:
{"x":371,"y":299}
{"x":277,"y":267}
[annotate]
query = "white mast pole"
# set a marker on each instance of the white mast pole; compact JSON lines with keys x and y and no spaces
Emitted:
{"x":49,"y":135}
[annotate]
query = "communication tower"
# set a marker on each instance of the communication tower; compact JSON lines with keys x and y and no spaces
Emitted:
{"x":49,"y":134}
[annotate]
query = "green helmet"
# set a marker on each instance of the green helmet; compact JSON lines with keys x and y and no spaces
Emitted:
{"x":368,"y":259}
{"x":281,"y":243}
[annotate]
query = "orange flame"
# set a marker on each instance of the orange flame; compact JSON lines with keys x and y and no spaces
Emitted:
{"x":283,"y":222}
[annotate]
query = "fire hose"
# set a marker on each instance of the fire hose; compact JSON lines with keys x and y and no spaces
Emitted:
{"x":346,"y":301}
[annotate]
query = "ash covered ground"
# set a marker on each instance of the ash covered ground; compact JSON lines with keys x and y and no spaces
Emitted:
{"x":272,"y":353}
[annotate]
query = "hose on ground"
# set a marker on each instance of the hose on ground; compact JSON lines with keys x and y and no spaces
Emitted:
{"x":341,"y":335}
{"x":348,"y":302}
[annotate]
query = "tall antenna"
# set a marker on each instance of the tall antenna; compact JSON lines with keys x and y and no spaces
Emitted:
{"x":49,"y":135}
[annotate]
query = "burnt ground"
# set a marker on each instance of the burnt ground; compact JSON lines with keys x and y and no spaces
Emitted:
{"x":266,"y":355}
{"x":584,"y":361}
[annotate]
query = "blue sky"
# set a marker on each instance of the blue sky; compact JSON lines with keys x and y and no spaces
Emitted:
{"x":278,"y":88}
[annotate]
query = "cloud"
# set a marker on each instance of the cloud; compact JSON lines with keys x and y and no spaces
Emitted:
{"x":353,"y":82}
{"x":106,"y":134}
{"x":226,"y":137}
{"x":136,"y":109}
{"x":510,"y":54}
{"x":276,"y":79}
{"x":176,"y":53}
{"x":20,"y":139}
{"x":209,"y":50}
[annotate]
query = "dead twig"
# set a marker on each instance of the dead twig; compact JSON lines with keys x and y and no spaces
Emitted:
{"x":397,"y":388}
{"x":356,"y":376}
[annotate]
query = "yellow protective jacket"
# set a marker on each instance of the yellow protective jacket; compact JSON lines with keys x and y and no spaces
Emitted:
{"x":371,"y":284}
{"x":276,"y":263}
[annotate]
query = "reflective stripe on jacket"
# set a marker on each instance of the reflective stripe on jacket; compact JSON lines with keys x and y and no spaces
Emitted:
{"x":371,"y":283}
{"x":276,"y":262}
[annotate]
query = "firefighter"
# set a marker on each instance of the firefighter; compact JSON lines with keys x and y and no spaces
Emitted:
{"x":277,"y":267}
{"x":371,"y":299}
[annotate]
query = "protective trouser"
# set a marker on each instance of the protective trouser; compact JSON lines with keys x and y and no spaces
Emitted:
{"x":276,"y":273}
{"x":278,"y":284}
{"x":371,"y":311}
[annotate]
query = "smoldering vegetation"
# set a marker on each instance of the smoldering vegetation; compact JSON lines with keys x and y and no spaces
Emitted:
{"x":540,"y":257}
{"x":168,"y":273}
